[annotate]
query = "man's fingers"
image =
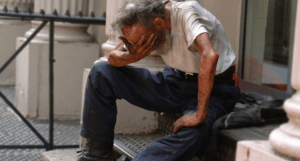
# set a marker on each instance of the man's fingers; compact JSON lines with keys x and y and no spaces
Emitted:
{"x":153,"y":41}
{"x":141,"y":40}
{"x":176,"y":127}
{"x":150,"y":47}
{"x":149,"y":41}
{"x":152,"y":44}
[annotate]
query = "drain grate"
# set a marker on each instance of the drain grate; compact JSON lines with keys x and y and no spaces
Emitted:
{"x":130,"y":145}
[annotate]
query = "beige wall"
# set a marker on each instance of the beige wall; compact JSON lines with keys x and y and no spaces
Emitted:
{"x":229,"y":14}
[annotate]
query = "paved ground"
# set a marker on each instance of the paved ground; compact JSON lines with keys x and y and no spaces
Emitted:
{"x":14,"y":132}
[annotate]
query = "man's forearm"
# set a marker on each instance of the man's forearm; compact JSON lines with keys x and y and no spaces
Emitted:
{"x":206,"y":75}
{"x":119,"y":58}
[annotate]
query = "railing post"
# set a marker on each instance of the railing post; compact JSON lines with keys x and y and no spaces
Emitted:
{"x":51,"y":82}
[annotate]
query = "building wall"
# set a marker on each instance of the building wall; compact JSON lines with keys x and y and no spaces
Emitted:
{"x":229,"y":14}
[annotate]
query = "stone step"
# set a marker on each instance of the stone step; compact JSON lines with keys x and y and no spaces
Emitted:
{"x":60,"y":155}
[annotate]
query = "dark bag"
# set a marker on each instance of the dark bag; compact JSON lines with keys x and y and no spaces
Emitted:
{"x":253,"y":109}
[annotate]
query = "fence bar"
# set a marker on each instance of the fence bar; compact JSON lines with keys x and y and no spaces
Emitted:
{"x":51,"y":78}
{"x":22,"y":146}
{"x":57,"y":18}
{"x":37,"y":146}
{"x":23,"y":46}
{"x":24,"y":120}
{"x":65,"y":146}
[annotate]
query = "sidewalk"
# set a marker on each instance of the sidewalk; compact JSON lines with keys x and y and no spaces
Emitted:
{"x":14,"y":132}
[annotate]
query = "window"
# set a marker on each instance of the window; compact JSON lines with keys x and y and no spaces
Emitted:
{"x":268,"y":46}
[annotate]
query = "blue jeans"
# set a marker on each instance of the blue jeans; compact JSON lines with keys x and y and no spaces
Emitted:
{"x":163,"y":91}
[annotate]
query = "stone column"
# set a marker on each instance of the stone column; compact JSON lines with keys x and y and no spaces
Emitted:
{"x":112,"y":7}
{"x":64,"y":32}
{"x":74,"y":50}
{"x":10,"y":30}
{"x":22,"y":5}
{"x":286,"y":139}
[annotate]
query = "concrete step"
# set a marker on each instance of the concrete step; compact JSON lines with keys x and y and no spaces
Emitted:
{"x":60,"y":155}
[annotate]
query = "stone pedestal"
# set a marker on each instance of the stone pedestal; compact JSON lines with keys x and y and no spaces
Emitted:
{"x":9,"y":31}
{"x":32,"y":86}
{"x":73,"y":51}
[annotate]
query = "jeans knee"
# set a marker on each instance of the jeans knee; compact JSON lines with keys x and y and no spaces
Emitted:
{"x":100,"y":68}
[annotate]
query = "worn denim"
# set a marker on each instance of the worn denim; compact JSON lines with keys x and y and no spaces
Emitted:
{"x":163,"y":91}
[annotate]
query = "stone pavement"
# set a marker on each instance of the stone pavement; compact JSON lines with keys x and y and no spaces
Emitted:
{"x":14,"y":132}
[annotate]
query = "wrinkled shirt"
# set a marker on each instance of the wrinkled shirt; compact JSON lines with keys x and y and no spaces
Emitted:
{"x":188,"y":20}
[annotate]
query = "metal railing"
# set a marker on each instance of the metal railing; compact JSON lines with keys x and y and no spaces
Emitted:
{"x":45,"y":18}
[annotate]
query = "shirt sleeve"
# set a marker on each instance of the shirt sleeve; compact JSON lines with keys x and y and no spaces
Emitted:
{"x":196,"y":20}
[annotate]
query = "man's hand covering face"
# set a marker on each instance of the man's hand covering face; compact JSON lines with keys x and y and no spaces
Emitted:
{"x":141,"y":49}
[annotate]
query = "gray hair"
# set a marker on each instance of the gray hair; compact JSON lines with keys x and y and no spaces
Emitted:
{"x":141,"y":11}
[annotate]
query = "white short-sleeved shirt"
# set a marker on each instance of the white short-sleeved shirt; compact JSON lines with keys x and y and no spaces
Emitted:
{"x":188,"y":20}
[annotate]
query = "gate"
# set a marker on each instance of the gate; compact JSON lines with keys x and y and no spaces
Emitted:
{"x":45,"y":18}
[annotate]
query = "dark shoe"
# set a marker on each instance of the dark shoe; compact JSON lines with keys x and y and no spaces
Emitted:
{"x":95,"y":151}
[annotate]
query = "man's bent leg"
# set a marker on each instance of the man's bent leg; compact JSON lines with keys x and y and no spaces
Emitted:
{"x":107,"y":83}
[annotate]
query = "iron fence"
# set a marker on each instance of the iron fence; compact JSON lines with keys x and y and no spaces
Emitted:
{"x":45,"y":18}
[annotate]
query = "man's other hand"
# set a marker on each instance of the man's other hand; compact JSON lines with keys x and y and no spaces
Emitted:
{"x":188,"y":120}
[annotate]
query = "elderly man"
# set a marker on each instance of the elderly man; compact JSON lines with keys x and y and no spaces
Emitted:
{"x":197,"y":80}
